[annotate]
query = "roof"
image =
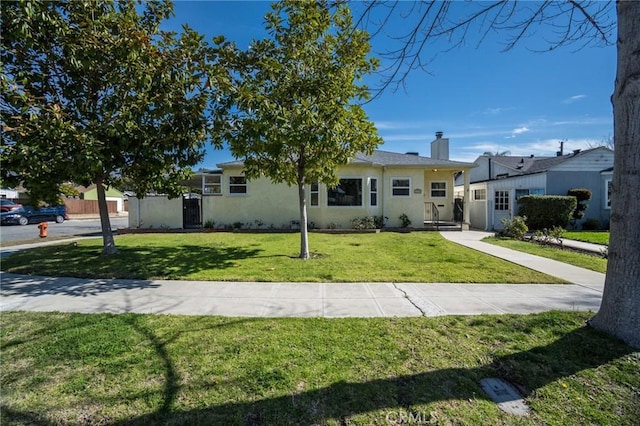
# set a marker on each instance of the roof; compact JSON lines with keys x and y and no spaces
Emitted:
{"x":531,"y":165}
{"x":386,"y":158}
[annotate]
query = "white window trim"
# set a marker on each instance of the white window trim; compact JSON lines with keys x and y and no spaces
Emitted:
{"x":377,"y":191}
{"x":473,"y":194}
{"x":205,"y":185}
{"x":607,"y":182}
{"x":362,"y":203}
{"x":238,"y":194}
{"x":316,"y":192}
{"x":401,"y":187}
{"x":446,"y":189}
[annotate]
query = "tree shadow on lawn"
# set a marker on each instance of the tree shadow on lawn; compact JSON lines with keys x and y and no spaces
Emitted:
{"x":581,"y":349}
{"x":573,"y":352}
{"x":134,"y":265}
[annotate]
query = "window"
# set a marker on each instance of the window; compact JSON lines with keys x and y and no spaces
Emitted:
{"x":608,"y":191}
{"x":373,"y":192}
{"x":501,"y":200}
{"x":315,"y":194}
{"x":347,"y":193}
{"x":212,"y":185}
{"x":400,"y":187}
{"x":480,"y":194}
{"x":237,"y":185}
{"x":532,"y":191}
{"x":438,"y":189}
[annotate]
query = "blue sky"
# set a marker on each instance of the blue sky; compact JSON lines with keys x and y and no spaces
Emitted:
{"x":482,"y":98}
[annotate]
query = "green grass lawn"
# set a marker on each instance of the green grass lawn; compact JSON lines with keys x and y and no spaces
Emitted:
{"x":160,"y":369}
{"x":582,"y":260}
{"x":383,"y":257}
{"x":595,"y":237}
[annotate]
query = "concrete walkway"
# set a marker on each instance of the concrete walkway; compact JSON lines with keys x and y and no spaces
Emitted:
{"x":31,"y":293}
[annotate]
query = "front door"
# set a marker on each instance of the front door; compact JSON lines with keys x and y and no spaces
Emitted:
{"x":191,"y":212}
{"x":501,"y":207}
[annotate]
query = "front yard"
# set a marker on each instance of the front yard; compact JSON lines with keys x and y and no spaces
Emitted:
{"x":70,"y":369}
{"x":383,"y":257}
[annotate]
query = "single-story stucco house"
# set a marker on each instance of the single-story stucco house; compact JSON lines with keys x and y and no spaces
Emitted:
{"x":383,"y":184}
{"x":498,"y":181}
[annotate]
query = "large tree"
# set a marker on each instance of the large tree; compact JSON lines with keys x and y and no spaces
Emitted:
{"x":570,"y":22}
{"x":93,"y":92}
{"x":293,"y":114}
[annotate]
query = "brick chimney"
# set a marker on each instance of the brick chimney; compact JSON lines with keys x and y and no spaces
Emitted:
{"x":440,"y":147}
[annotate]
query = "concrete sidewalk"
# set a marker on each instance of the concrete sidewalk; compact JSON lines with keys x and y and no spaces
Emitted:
{"x":33,"y":293}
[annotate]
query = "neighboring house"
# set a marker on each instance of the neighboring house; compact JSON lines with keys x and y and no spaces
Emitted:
{"x":112,"y":194}
{"x":498,"y":182}
{"x":383,"y":184}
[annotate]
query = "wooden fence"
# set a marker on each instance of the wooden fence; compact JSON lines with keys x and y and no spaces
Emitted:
{"x":76,"y":206}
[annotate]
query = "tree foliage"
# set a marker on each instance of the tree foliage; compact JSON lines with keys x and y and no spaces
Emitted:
{"x":572,"y":22}
{"x":293,"y":114}
{"x":95,"y":91}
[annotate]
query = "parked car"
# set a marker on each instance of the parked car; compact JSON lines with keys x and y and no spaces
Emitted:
{"x":28,"y":214}
{"x":8,"y":205}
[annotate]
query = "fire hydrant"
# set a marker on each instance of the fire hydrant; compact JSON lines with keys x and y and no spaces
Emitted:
{"x":42,"y":226}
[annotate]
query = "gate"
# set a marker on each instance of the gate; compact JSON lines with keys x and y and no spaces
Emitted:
{"x":191,"y":212}
{"x":458,"y":210}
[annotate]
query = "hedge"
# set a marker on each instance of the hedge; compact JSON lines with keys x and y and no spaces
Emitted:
{"x":546,"y":211}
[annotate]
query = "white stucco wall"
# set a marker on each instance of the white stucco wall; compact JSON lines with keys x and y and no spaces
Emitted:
{"x":155,"y":212}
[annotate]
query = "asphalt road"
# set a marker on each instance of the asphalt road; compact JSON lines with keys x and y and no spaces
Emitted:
{"x":17,"y":233}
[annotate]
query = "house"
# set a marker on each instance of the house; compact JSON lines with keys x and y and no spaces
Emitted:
{"x":498,"y":181}
{"x":383,"y":184}
{"x":91,"y":193}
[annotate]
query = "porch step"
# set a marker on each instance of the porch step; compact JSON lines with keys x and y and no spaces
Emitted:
{"x":442,"y":226}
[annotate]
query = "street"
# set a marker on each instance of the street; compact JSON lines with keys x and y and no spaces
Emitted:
{"x":15,"y":233}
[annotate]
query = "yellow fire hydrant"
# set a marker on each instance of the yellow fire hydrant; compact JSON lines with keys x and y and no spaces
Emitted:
{"x":42,"y":226}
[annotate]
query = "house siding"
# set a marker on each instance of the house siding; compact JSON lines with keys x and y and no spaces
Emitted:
{"x":559,"y":182}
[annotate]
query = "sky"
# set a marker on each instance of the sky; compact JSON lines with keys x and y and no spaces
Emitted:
{"x":482,"y":98}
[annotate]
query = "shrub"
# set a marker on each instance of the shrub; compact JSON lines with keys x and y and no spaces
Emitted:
{"x":366,"y":222}
{"x":550,"y":236}
{"x":546,"y":211}
{"x":210,"y":224}
{"x":404,"y":219}
{"x":380,"y":221}
{"x":581,"y":195}
{"x":591,"y":225}
{"x":515,"y":227}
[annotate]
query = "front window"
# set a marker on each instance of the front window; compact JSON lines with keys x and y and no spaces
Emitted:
{"x":521,"y":193}
{"x":479,"y":194}
{"x":501,"y":200}
{"x":401,"y":187}
{"x":373,"y":192}
{"x":212,"y":184}
{"x":347,"y":193}
{"x":438,"y":189}
{"x":237,"y":185}
{"x":609,"y":190}
{"x":314,"y":192}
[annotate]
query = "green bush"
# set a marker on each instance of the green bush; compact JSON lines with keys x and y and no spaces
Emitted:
{"x":515,"y":227}
{"x":405,"y":220}
{"x":366,"y":222}
{"x":547,"y":211}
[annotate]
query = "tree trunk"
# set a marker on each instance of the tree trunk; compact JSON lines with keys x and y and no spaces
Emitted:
{"x":304,"y":240}
{"x":619,"y":312}
{"x":108,"y":244}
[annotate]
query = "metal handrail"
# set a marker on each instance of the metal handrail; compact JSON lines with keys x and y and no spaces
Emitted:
{"x":433,"y":215}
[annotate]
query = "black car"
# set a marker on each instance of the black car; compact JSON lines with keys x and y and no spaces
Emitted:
{"x":28,"y":214}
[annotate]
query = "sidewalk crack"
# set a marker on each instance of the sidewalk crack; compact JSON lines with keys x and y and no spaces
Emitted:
{"x":406,"y":296}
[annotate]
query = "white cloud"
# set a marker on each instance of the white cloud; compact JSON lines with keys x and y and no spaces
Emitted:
{"x":573,"y":99}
